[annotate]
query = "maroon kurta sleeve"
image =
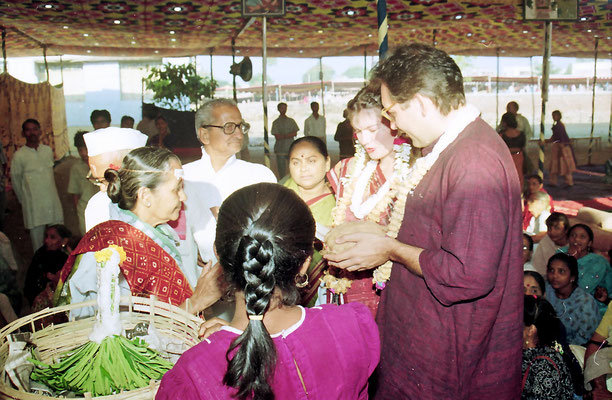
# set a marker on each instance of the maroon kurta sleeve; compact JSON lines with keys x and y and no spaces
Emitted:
{"x":474,"y":218}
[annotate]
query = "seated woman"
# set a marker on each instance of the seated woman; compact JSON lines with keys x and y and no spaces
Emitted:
{"x":308,"y":164}
{"x":147,"y":192}
{"x":545,"y":372}
{"x":534,"y":284}
{"x":576,"y":309}
{"x":371,"y":186}
{"x":273,"y":348}
{"x":515,"y":140}
{"x":594,"y":272}
{"x":598,"y":359}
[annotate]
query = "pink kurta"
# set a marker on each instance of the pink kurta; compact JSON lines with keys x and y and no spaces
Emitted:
{"x":456,"y":333}
{"x":335,"y":347}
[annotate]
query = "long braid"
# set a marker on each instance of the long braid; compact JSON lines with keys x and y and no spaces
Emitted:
{"x":264,"y":236}
{"x":255,"y":358}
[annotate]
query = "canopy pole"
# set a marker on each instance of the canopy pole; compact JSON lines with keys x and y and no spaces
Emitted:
{"x":62,"y":69}
{"x":497,"y":88}
{"x":383,"y":44}
{"x":591,"y":141}
{"x":46,"y":64}
{"x":234,"y":62}
{"x":264,"y":96}
{"x":532,"y":94}
{"x":545,"y":80}
{"x":4,"y":49}
{"x":365,"y":65}
{"x":322,"y":85}
{"x":610,"y":123}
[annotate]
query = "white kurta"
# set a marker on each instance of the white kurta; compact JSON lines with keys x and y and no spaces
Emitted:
{"x":315,"y":127}
{"x":34,"y":184}
{"x":206,"y":188}
{"x":97,"y":210}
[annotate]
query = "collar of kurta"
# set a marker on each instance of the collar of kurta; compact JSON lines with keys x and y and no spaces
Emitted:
{"x":206,"y":160}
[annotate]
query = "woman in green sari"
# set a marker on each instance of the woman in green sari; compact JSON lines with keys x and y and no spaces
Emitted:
{"x":308,"y":164}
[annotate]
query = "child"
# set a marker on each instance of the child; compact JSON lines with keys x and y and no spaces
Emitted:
{"x":577,"y":310}
{"x":557,"y":225}
{"x":309,"y":162}
{"x":562,"y":155}
{"x":46,"y":263}
{"x":79,"y":186}
{"x":527,"y":251}
{"x":538,"y":205}
{"x":534,"y":184}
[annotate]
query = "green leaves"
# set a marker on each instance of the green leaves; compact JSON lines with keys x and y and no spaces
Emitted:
{"x":179,"y":86}
{"x":103,"y":369}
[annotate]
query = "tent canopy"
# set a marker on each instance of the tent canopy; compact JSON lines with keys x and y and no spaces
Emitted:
{"x":310,"y":28}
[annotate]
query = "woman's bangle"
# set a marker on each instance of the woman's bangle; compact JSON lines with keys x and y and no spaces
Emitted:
{"x":596,"y":343}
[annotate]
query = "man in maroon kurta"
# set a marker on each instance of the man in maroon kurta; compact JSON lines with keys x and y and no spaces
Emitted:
{"x":451,"y":315}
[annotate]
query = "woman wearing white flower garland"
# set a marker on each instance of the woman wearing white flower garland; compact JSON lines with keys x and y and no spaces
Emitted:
{"x":368,"y":187}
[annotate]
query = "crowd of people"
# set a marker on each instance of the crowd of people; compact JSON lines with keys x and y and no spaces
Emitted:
{"x":393,"y":274}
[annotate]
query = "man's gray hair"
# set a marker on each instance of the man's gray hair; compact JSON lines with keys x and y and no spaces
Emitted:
{"x":204,"y":114}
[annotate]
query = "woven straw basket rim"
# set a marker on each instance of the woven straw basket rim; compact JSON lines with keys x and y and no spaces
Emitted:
{"x":170,"y":321}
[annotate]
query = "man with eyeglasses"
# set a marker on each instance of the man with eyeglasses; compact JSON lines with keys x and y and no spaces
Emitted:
{"x":106,"y":149}
{"x":211,"y":179}
{"x":450,"y":317}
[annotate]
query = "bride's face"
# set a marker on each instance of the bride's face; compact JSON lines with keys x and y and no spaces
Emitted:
{"x":372,"y":132}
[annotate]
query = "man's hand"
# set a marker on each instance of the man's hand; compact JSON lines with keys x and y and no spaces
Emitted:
{"x":370,"y":251}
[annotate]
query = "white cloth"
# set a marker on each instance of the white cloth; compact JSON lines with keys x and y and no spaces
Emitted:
{"x":537,"y":225}
{"x":97,"y":210}
{"x":34,"y":185}
{"x":524,"y":126}
{"x":206,"y":188}
{"x":315,"y":127}
{"x":546,"y":249}
{"x":84,"y":286}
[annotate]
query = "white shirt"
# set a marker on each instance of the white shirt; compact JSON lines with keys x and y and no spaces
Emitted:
{"x":97,"y":210}
{"x":315,"y":127}
{"x":537,"y":225}
{"x":206,"y":188}
{"x":34,"y":184}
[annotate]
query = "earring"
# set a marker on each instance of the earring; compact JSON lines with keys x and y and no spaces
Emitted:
{"x":301,"y":280}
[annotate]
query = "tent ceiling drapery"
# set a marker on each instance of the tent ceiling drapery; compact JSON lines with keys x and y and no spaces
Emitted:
{"x":311,"y":28}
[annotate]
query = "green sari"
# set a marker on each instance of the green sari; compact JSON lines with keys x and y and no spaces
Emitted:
{"x":321,"y":208}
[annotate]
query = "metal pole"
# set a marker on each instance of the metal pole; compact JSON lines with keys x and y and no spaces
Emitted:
{"x":545,"y":80}
{"x":610,"y":123}
{"x":234,"y":62}
{"x":265,"y":95}
{"x":497,"y":89}
{"x":4,"y":49}
{"x":532,"y":95}
{"x":365,"y":65}
{"x":212,"y":79}
{"x":322,"y":85}
{"x":591,"y":141}
{"x":46,"y":64}
{"x":62,"y":69}
{"x":383,"y":44}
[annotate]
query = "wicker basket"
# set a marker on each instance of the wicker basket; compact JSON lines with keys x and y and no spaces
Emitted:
{"x":170,"y":322}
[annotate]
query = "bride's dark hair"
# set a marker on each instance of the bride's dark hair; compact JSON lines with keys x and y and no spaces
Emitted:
{"x":265,"y":234}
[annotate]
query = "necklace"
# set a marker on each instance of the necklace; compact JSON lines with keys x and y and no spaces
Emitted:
{"x":406,"y":178}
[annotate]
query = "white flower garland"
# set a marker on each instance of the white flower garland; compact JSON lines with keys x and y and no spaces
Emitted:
{"x":404,"y":181}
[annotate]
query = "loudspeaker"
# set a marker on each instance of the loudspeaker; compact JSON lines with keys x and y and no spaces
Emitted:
{"x":243,"y":69}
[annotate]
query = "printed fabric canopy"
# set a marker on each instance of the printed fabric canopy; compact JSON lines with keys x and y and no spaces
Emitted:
{"x":310,"y":28}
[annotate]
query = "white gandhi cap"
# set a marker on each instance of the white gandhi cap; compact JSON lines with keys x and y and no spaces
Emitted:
{"x":113,"y":139}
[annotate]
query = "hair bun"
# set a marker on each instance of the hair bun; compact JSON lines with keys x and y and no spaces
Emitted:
{"x":114,"y":185}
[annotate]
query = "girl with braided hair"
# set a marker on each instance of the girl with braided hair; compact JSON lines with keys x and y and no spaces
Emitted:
{"x":273,"y":348}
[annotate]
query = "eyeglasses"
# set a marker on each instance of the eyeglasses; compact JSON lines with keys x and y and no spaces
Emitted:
{"x":385,"y":112}
{"x":96,"y":181}
{"x":230,"y":127}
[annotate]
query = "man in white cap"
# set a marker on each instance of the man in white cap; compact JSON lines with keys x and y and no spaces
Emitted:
{"x":106,"y":148}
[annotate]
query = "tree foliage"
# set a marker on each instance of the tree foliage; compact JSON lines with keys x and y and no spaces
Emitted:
{"x":312,"y":75}
{"x":179,"y":86}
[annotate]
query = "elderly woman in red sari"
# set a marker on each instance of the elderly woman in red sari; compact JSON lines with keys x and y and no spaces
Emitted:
{"x":369,"y":187}
{"x":147,"y":192}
